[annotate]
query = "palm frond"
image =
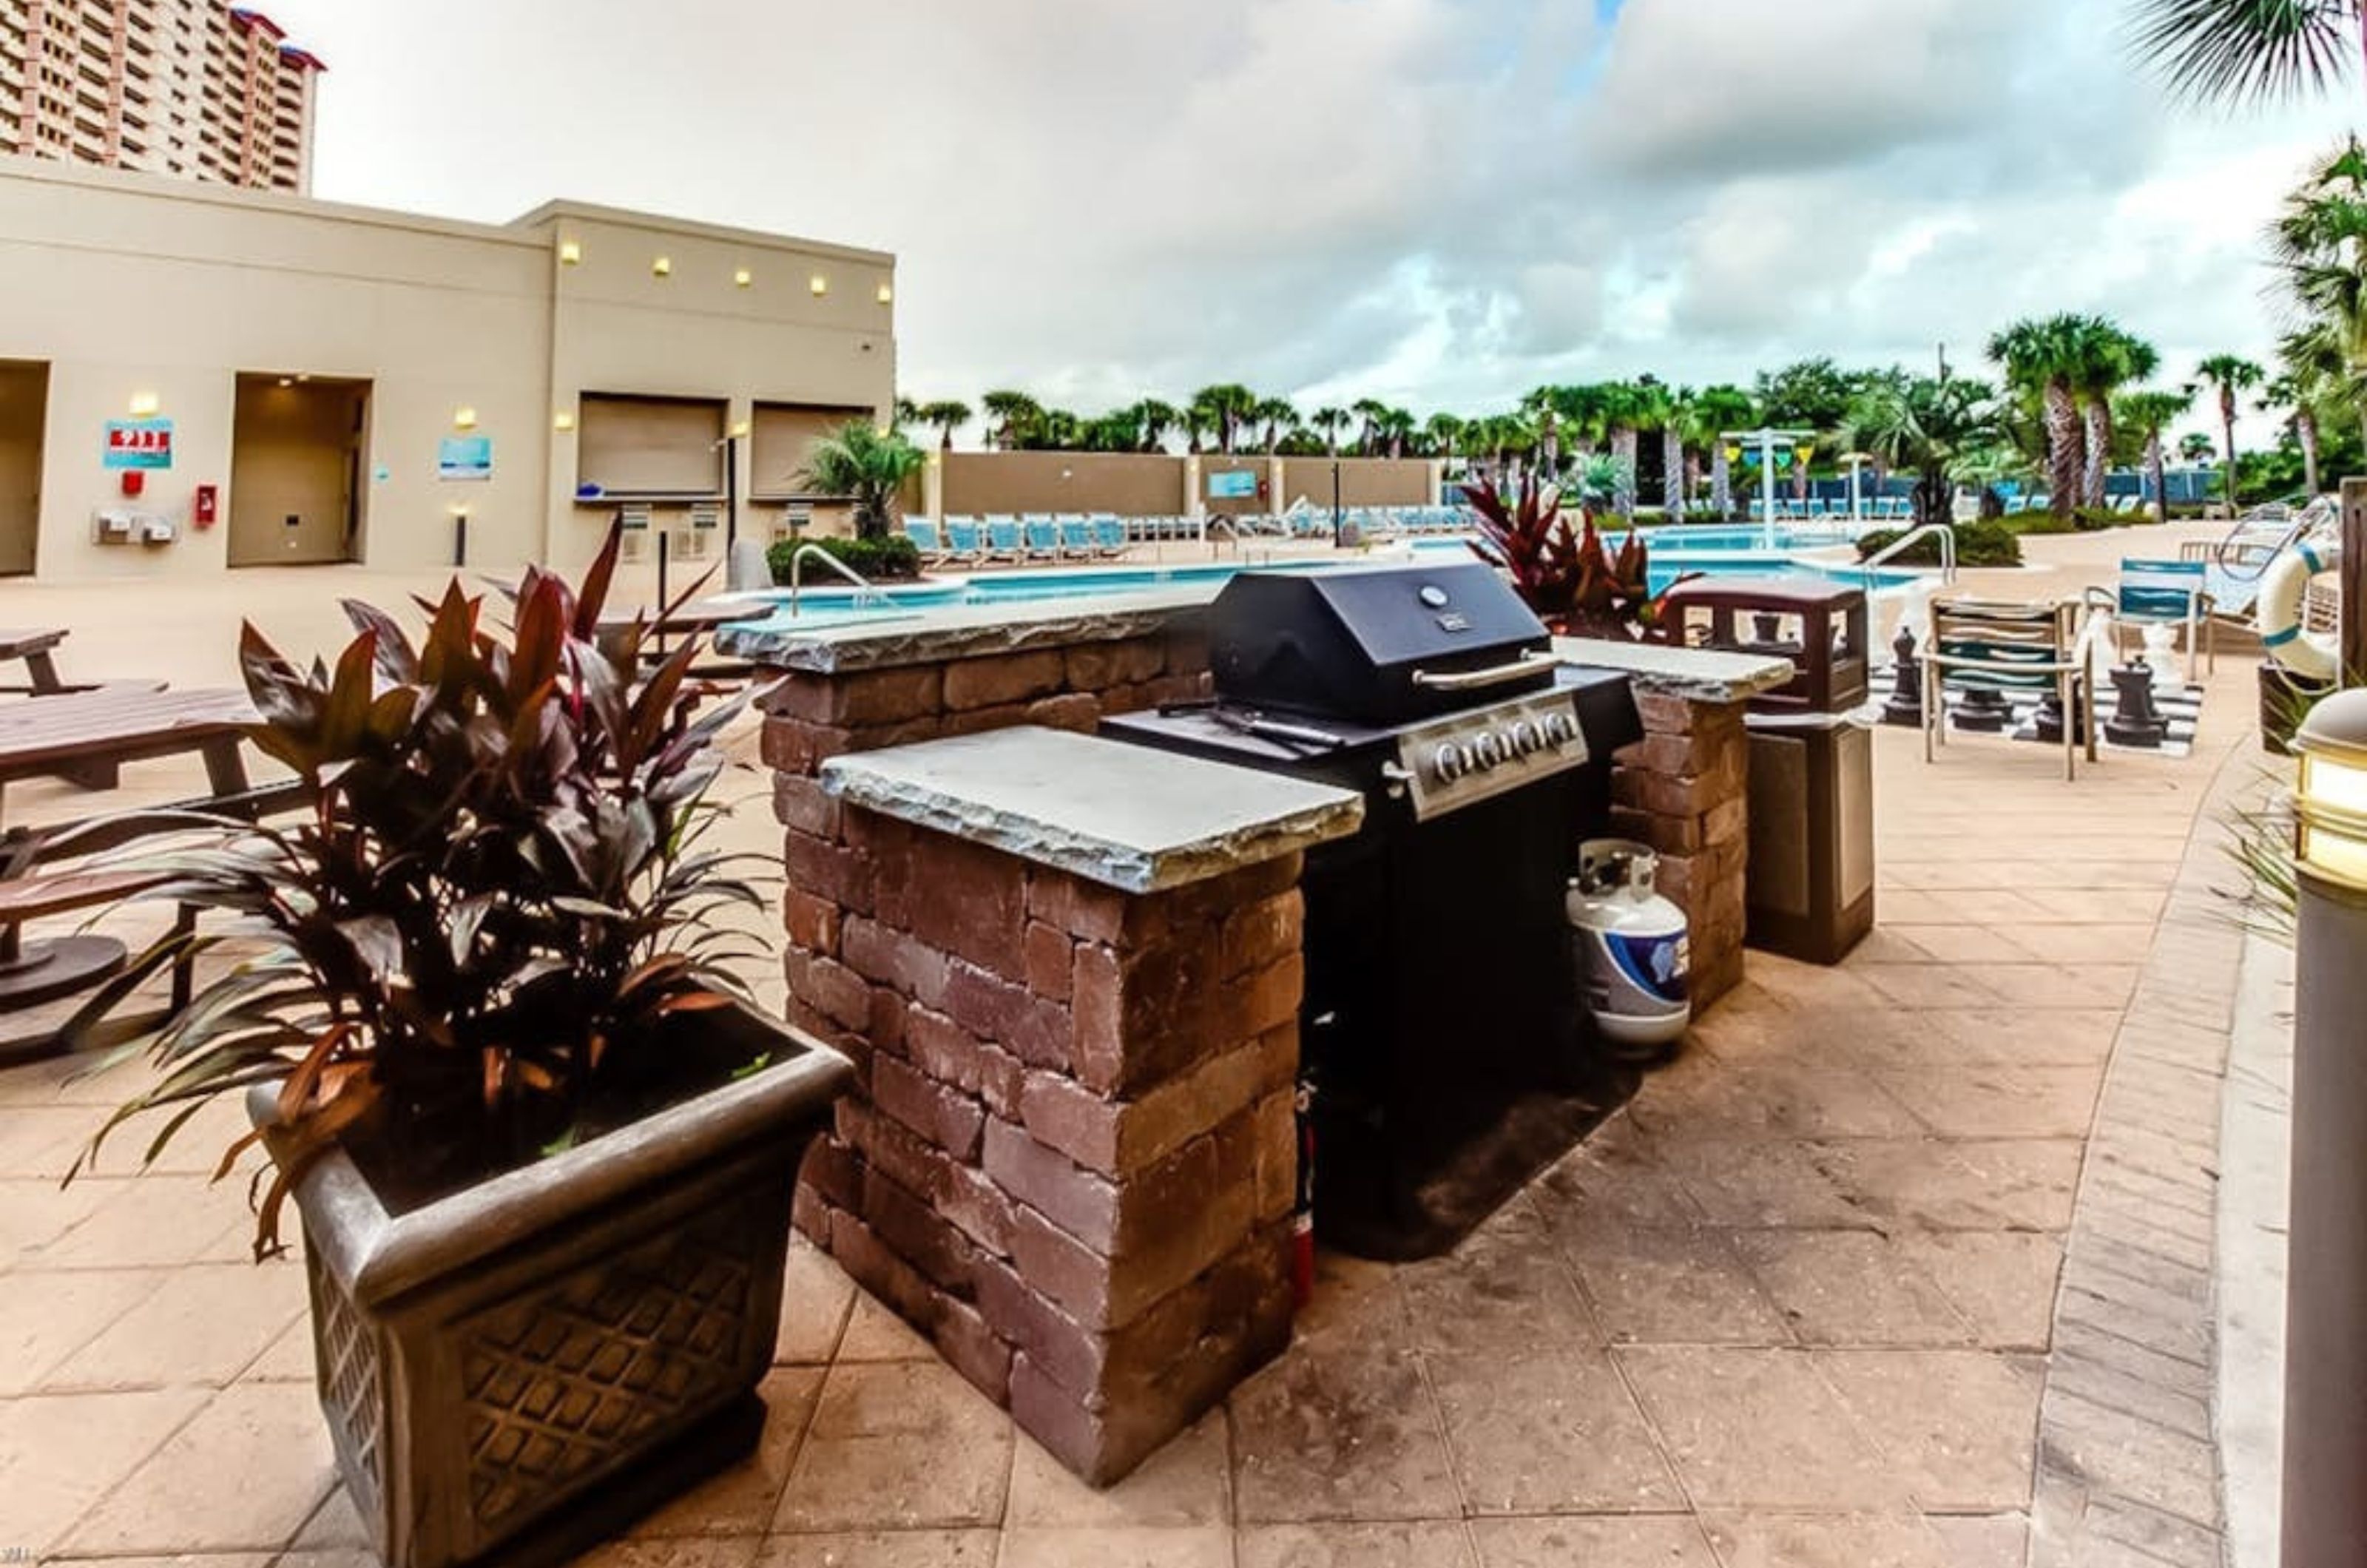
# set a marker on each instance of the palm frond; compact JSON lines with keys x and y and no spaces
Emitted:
{"x":2248,"y":53}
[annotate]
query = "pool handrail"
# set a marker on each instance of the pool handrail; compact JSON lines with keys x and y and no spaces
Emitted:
{"x":1944,"y":531}
{"x":865,"y":591}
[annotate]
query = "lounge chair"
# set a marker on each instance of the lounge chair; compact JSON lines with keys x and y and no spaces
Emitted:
{"x":1109,"y":537}
{"x":2164,"y":593}
{"x":1077,"y":541}
{"x":1003,"y":539}
{"x":963,"y":545}
{"x":1042,"y":537}
{"x":1997,"y":646}
{"x":925,"y":537}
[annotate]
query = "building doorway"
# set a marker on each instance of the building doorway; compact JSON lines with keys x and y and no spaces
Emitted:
{"x":296,"y":470}
{"x":24,"y":422}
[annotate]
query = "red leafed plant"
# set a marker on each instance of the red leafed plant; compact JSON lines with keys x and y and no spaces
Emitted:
{"x":487,"y":938}
{"x":1575,"y":585}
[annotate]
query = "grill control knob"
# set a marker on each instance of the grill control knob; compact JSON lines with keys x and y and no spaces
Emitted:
{"x":1523,"y":740}
{"x":1487,"y":750}
{"x":1449,"y":763}
{"x":1560,"y":729}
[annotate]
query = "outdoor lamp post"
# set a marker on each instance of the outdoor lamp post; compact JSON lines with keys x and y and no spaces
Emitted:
{"x":2326,"y":1283}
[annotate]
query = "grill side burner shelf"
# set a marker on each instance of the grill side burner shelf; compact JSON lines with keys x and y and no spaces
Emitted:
{"x":1442,"y":1029}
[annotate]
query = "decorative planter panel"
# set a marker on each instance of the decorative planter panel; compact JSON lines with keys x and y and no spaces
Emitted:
{"x":518,"y":1370}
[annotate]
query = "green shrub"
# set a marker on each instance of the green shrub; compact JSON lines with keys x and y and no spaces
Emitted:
{"x":888,"y":559}
{"x":1977,"y":544}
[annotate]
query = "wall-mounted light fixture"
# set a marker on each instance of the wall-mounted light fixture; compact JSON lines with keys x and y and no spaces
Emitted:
{"x":562,"y":420}
{"x":738,"y":431}
{"x":571,"y":253}
{"x":661,"y":267}
{"x":744,"y":278}
{"x":2331,"y":802}
{"x":819,"y":284}
{"x":464,"y":418}
{"x":145,"y":405}
{"x":887,"y":294}
{"x":287,"y":381}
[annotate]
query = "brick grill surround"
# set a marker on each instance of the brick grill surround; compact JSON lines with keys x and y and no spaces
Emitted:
{"x":1070,"y":1157}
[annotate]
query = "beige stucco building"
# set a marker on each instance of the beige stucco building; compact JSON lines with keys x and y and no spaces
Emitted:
{"x":197,"y":89}
{"x":196,"y":378}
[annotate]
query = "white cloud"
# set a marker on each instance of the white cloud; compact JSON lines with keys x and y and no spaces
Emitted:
{"x":1442,"y":201}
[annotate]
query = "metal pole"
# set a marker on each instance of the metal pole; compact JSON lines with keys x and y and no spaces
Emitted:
{"x":664,"y":536}
{"x":1767,"y":488}
{"x":460,"y":540}
{"x":1335,"y":503}
{"x":730,"y":492}
{"x":2353,"y":668}
{"x":2324,"y":1521}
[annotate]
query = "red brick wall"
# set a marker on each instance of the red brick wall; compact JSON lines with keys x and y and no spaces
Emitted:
{"x":1073,"y":1158}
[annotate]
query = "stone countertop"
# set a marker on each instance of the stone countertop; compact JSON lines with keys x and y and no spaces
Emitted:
{"x":1696,"y":674}
{"x":930,"y":633}
{"x":1126,"y":817}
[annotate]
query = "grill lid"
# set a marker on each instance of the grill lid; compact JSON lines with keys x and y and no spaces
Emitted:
{"x":1382,"y":646}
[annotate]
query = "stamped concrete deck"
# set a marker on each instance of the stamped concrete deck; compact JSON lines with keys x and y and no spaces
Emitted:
{"x":1806,"y":1303}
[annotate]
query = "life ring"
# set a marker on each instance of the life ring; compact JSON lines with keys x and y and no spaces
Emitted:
{"x":2313,"y":656}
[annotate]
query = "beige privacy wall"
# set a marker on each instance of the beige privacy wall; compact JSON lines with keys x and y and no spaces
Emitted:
{"x":124,"y":292}
{"x":1156,"y":484}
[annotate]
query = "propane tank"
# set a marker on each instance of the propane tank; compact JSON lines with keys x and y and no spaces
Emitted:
{"x":1633,"y":951}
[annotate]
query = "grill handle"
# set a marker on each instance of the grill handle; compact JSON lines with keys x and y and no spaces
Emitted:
{"x":1527,"y":665}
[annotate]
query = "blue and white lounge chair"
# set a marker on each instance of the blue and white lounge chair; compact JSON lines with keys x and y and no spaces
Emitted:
{"x":2165,"y":594}
{"x":1003,"y":541}
{"x":924,"y":534}
{"x":1042,"y":537}
{"x":963,"y":545}
{"x":1077,"y":538}
{"x":1109,"y":537}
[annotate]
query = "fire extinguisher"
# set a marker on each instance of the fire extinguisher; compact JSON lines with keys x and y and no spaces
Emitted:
{"x":1302,"y":1213}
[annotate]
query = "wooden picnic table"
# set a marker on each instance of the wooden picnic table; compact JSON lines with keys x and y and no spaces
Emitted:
{"x":32,"y":647}
{"x":96,"y":731}
{"x":114,"y":725}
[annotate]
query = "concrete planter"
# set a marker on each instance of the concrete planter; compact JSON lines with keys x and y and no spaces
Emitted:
{"x":515,"y":1372}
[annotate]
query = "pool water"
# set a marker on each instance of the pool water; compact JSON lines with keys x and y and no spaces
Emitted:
{"x":824,"y":607}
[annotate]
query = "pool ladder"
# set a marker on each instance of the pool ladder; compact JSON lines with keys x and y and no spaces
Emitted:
{"x":1944,"y":531}
{"x":867,"y":594}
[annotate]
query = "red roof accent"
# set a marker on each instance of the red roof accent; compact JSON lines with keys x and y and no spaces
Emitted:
{"x":303,"y":56}
{"x":246,"y":17}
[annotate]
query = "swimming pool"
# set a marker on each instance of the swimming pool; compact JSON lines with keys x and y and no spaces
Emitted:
{"x":823,"y":607}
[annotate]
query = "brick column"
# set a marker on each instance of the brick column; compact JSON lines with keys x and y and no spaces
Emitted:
{"x":1074,"y":1159}
{"x":1684,"y":789}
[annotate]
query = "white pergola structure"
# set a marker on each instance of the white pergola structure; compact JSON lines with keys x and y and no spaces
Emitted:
{"x":1767,"y":441}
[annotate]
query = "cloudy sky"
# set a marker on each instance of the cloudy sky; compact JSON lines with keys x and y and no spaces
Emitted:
{"x":1440,"y":202}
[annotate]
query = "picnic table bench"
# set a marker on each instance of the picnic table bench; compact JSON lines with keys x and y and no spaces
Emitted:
{"x":105,"y":728}
{"x":32,"y":648}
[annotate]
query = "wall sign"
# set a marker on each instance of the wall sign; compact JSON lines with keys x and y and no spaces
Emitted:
{"x":1234,"y":484}
{"x":465,"y":457}
{"x":138,"y":443}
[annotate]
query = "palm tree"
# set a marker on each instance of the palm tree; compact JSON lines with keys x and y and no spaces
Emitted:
{"x":1011,"y":413}
{"x":1932,"y":427}
{"x":1625,"y":407}
{"x":1717,"y":410}
{"x":2250,"y":51}
{"x":2336,"y":384}
{"x":1195,"y":422}
{"x":2045,"y":357}
{"x":1228,"y":405}
{"x":1278,"y":416}
{"x":2197,"y":447}
{"x":2151,"y":414}
{"x":1393,"y":428}
{"x":904,"y":411}
{"x":865,"y":465}
{"x":1153,"y":420}
{"x":2319,"y":248}
{"x":1444,"y":432}
{"x":1330,"y":421}
{"x":1370,"y":410}
{"x":2108,"y":359}
{"x":2231,"y":375}
{"x":946,"y":415}
{"x":2286,"y":394}
{"x":1542,"y":408}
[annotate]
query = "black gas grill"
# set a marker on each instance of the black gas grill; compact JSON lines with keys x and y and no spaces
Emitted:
{"x":1442,"y":1036}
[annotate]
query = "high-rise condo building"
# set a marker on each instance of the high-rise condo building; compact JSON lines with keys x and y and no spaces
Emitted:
{"x":197,"y":89}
